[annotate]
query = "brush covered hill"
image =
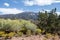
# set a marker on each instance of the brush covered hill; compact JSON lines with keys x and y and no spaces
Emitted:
{"x":23,"y":15}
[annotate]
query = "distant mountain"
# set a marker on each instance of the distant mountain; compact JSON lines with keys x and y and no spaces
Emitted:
{"x":24,"y":15}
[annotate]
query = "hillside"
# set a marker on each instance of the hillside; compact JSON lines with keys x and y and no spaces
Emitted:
{"x":24,"y":15}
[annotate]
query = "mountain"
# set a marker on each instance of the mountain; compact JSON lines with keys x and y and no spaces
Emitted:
{"x":23,"y":15}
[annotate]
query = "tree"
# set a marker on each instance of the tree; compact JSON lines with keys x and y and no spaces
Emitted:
{"x":42,"y":18}
{"x":49,"y":21}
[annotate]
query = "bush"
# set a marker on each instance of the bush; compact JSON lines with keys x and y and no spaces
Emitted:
{"x":20,"y":26}
{"x":49,"y":35}
{"x":1,"y":33}
{"x":28,"y":33}
{"x":4,"y":35}
{"x":20,"y":33}
{"x":43,"y":31}
{"x":31,"y":26}
{"x":38,"y":31}
{"x":16,"y":25}
{"x":11,"y":34}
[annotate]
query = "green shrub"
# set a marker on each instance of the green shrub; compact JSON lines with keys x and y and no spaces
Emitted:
{"x":16,"y":25}
{"x":31,"y":26}
{"x":28,"y":33}
{"x":11,"y":34}
{"x":4,"y":35}
{"x":1,"y":33}
{"x":38,"y":31}
{"x":20,"y":33}
{"x":20,"y":26}
{"x":49,"y":35}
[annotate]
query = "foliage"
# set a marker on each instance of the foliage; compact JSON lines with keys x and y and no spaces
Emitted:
{"x":38,"y":31}
{"x":48,"y":35}
{"x":2,"y":32}
{"x":11,"y":34}
{"x":4,"y":35}
{"x":28,"y":33}
{"x":20,"y":33}
{"x":8,"y":25}
{"x":49,"y":21}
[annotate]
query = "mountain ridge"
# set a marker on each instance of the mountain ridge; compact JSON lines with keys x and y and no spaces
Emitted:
{"x":23,"y":15}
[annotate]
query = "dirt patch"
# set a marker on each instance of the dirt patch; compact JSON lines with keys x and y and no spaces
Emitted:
{"x":35,"y":37}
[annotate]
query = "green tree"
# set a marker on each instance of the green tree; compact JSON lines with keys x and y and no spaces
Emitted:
{"x":49,"y":21}
{"x":43,"y":17}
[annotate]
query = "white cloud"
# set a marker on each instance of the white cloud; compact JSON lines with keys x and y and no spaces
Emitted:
{"x":6,"y":4}
{"x":10,"y":11}
{"x":58,"y":13}
{"x":28,"y":3}
{"x":40,"y":2}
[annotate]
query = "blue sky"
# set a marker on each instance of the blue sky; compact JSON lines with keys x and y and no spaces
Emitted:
{"x":18,"y":6}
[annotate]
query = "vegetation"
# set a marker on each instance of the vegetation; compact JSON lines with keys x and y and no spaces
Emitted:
{"x":49,"y":21}
{"x":19,"y":27}
{"x":48,"y":24}
{"x":38,"y":31}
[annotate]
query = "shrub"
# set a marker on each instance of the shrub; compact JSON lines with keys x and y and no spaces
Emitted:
{"x":11,"y":34}
{"x":16,"y":25}
{"x":38,"y":31}
{"x":20,"y":26}
{"x":20,"y":33}
{"x":4,"y":35}
{"x":30,"y":26}
{"x":1,"y":33}
{"x":49,"y":35}
{"x":28,"y":33}
{"x":43,"y":31}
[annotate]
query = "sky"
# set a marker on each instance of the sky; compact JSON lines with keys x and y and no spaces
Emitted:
{"x":19,"y":6}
